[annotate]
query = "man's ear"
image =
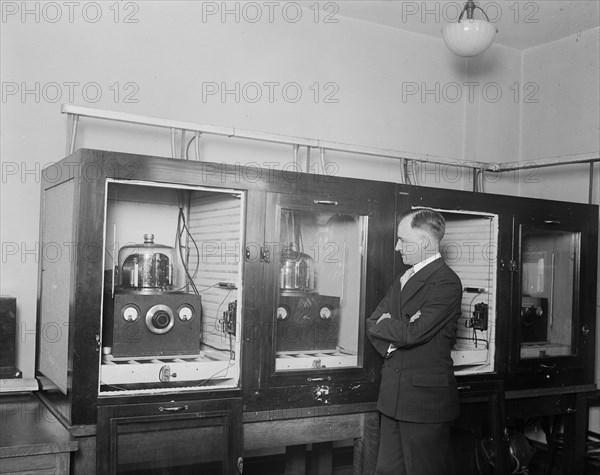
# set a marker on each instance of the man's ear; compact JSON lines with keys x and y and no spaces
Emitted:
{"x":425,"y":240}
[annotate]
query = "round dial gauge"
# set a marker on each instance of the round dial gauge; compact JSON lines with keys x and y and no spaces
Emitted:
{"x":185,"y":313}
{"x":283,"y":312}
{"x":130,"y":313}
{"x":326,"y":312}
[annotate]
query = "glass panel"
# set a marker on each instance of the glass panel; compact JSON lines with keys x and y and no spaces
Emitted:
{"x":548,"y":285}
{"x":322,"y":262}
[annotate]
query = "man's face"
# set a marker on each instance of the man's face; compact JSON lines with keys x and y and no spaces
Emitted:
{"x":411,"y":242}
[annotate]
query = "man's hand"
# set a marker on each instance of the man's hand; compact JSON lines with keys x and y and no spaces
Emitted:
{"x":415,"y":316}
{"x":383,"y":317}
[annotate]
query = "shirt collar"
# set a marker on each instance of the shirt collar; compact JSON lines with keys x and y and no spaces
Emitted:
{"x":417,"y":267}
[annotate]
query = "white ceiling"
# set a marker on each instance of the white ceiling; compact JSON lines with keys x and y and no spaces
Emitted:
{"x":522,"y":24}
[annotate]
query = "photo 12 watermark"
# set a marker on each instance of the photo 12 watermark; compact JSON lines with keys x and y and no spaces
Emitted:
{"x":268,"y":172}
{"x":469,"y":91}
{"x":271,"y":12}
{"x":51,"y":252}
{"x":270,"y":92}
{"x":57,"y":172}
{"x":441,"y":12}
{"x":70,"y":12}
{"x":26,"y":412}
{"x":450,"y":173}
{"x":52,"y":92}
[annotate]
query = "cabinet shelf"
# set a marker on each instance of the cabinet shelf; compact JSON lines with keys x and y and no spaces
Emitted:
{"x":541,"y":350}
{"x":290,"y":360}
{"x":208,"y":365}
{"x":465,"y":356}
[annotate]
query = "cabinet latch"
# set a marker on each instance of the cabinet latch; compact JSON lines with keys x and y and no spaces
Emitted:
{"x":265,"y":254}
{"x":510,"y":265}
{"x":320,"y":393}
{"x":164,"y":375}
{"x":585,"y":330}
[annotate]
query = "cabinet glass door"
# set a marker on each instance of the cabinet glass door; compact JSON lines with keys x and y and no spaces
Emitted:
{"x":320,"y":257}
{"x":549,"y":288}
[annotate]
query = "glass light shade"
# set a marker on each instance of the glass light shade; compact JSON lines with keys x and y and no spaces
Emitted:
{"x":469,"y":37}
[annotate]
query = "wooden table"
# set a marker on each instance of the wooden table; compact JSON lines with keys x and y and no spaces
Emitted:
{"x":32,"y":440}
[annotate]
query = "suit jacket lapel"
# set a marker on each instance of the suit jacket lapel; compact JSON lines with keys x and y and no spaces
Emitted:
{"x":417,"y":280}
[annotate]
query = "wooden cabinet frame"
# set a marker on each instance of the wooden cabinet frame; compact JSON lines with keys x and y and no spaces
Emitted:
{"x":262,"y":392}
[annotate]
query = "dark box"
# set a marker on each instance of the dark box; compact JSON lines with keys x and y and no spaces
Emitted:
{"x":8,"y":336}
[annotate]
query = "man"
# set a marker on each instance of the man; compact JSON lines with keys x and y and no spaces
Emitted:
{"x":414,"y":329}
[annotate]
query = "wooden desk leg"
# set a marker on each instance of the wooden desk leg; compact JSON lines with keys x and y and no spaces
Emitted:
{"x":295,"y":460}
{"x":550,"y":440}
{"x":498,"y":422}
{"x":575,"y":435}
{"x":358,"y":455}
{"x":322,"y":458}
{"x":365,"y":448}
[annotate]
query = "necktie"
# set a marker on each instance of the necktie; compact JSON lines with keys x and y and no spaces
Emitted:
{"x":407,"y":275}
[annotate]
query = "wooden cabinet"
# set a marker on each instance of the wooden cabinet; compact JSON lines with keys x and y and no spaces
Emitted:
{"x":554,"y":287}
{"x":246,"y":307}
{"x":141,"y":309}
{"x":189,"y":436}
{"x":31,"y":439}
{"x":324,"y":269}
{"x":169,"y":293}
{"x":532,"y":263}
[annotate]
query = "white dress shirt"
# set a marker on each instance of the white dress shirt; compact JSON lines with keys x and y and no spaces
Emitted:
{"x":417,"y":267}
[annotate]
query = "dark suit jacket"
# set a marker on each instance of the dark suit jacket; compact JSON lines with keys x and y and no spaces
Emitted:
{"x":417,"y":380}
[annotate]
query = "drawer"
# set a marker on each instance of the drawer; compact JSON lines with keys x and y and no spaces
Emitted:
{"x":204,"y":436}
{"x":44,"y":464}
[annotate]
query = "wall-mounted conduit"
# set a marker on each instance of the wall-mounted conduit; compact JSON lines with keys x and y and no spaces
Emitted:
{"x":74,"y":113}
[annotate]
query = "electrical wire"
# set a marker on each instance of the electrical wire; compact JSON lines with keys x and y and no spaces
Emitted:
{"x":488,"y":457}
{"x":474,"y":338}
{"x":187,"y":148}
{"x":202,"y":382}
{"x":478,"y":180}
{"x":402,"y":174}
{"x":223,"y":301}
{"x":407,"y":174}
{"x":231,"y":350}
{"x":481,"y":180}
{"x":182,"y":229}
{"x":414,"y":172}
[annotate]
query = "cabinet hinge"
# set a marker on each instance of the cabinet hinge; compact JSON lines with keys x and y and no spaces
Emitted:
{"x":513,"y":266}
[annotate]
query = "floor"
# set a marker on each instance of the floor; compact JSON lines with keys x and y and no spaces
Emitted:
{"x":467,"y":464}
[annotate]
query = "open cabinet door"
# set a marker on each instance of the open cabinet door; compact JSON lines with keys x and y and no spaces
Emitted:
{"x":58,"y":202}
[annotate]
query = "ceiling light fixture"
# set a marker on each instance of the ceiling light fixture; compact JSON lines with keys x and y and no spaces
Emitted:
{"x":470,"y":37}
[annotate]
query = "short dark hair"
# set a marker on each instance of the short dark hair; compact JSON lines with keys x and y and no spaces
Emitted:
{"x":426,"y":219}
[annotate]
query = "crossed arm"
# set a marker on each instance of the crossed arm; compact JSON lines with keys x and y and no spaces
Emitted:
{"x":389,"y":315}
{"x":438,"y":305}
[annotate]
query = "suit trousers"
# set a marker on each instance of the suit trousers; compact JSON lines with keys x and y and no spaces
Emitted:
{"x":411,"y":448}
